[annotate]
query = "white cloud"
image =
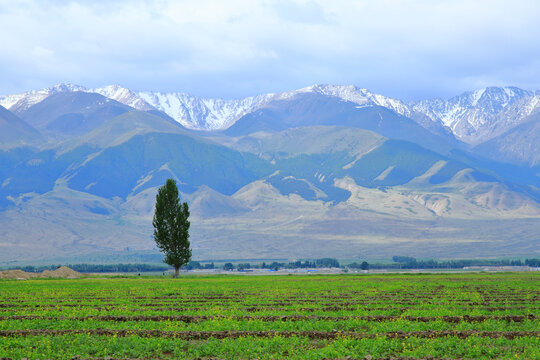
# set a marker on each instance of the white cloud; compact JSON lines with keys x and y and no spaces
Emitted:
{"x":234,"y":48}
{"x":41,"y":52}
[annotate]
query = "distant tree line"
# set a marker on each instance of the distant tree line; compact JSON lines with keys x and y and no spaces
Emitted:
{"x":100,"y":268}
{"x":532,"y":262}
{"x":363,"y":266}
{"x":400,"y":262}
{"x":317,"y":263}
{"x":228,"y":266}
{"x":195,"y":265}
{"x":405,"y":262}
{"x":403,"y":259}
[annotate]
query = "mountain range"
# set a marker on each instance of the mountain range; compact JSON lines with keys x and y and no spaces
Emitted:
{"x":321,"y":171}
{"x":473,"y":117}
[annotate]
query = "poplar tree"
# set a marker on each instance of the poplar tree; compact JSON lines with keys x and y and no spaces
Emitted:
{"x":171,"y":226}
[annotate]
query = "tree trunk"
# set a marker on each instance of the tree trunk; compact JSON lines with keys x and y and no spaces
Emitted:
{"x":176,"y":268}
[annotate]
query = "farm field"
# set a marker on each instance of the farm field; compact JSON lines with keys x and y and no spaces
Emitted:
{"x":466,"y":316}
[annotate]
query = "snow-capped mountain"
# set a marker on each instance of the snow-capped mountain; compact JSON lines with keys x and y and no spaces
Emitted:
{"x":218,"y":114}
{"x":353,"y":94}
{"x":473,"y":117}
{"x":203,"y":113}
{"x":480,"y":115}
{"x":18,"y":103}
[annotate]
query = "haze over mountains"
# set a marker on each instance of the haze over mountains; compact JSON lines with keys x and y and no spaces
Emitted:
{"x":320,"y":171}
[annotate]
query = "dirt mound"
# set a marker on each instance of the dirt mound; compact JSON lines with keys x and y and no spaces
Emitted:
{"x":15,"y":274}
{"x":61,"y":272}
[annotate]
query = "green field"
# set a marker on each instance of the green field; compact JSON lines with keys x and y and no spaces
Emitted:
{"x":471,"y":316}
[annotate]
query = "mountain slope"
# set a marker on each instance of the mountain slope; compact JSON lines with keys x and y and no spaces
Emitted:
{"x":309,"y":160}
{"x":16,"y":132}
{"x":308,"y":109}
{"x":148,"y":160}
{"x":124,"y":96}
{"x":208,"y":203}
{"x":202,"y":114}
{"x":479,"y":115}
{"x":72,"y":113}
{"x":520,"y":144}
{"x":307,"y":140}
{"x":121,"y":128}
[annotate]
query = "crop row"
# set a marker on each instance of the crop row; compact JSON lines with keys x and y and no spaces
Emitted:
{"x":275,"y":311}
{"x":131,"y":347}
{"x":198,"y":318}
{"x":484,"y":304}
{"x":203,"y":335}
{"x":239,"y":297}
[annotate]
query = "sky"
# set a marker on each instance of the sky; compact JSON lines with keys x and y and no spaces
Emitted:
{"x":408,"y":49}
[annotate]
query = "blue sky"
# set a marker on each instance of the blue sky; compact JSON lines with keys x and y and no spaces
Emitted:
{"x":235,"y":48}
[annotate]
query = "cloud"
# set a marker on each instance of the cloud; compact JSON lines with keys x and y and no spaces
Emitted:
{"x":408,"y":49}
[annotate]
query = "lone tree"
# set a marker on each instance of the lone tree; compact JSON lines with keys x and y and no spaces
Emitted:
{"x":171,"y":226}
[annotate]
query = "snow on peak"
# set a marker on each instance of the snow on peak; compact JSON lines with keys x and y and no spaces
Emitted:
{"x":362,"y":96}
{"x":476,"y":95}
{"x":202,"y":113}
{"x":352,"y":93}
{"x":58,"y":88}
{"x":124,"y":96}
{"x":205,"y":113}
{"x":491,"y":98}
{"x":21,"y":102}
{"x":216,"y":114}
{"x":475,"y":116}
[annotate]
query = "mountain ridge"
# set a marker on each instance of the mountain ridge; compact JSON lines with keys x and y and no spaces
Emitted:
{"x":477,"y":116}
{"x":473,"y":116}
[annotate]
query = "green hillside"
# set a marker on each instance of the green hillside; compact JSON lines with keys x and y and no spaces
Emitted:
{"x":148,"y":160}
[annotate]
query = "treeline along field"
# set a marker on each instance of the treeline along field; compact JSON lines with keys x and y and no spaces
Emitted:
{"x":471,"y":316}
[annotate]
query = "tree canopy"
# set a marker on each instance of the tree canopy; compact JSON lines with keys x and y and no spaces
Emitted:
{"x":171,"y":226}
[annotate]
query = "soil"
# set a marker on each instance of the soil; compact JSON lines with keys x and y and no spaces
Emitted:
{"x":204,"y":335}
